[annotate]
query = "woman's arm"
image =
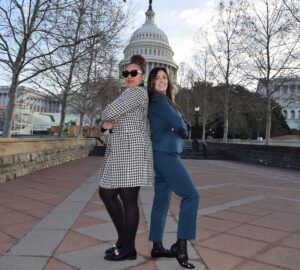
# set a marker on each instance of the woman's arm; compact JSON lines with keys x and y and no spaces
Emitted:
{"x":131,"y":98}
{"x":164,"y":110}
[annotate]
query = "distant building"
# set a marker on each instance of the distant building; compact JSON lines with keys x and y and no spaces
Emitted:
{"x":36,"y":101}
{"x":152,"y":43}
{"x":287,"y":94}
{"x":33,"y":110}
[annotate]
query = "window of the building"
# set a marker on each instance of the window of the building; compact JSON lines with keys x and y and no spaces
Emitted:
{"x":292,"y":114}
{"x":293,"y":89}
{"x":146,"y":51}
{"x":285,"y":89}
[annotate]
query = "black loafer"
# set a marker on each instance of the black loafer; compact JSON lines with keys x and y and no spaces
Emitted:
{"x":112,"y":249}
{"x":165,"y":253}
{"x":182,"y":258}
{"x":116,"y":256}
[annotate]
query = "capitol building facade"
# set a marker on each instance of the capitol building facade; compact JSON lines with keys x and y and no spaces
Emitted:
{"x":286,"y":92}
{"x":153,"y":44}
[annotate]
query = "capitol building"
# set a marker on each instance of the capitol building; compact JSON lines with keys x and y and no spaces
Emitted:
{"x":286,"y":92}
{"x":153,"y":44}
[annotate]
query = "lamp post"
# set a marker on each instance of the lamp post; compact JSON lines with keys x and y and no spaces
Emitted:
{"x":196,"y":109}
{"x":195,"y":144}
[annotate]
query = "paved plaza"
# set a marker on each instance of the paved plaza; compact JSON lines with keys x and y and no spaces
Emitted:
{"x":249,"y":219}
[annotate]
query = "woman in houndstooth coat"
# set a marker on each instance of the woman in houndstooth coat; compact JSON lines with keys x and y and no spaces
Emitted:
{"x":128,"y":157}
{"x":128,"y":160}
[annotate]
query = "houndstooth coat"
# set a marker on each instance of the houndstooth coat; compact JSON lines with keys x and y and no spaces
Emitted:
{"x":128,"y":160}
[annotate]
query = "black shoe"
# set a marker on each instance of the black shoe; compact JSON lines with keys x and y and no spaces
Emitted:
{"x":179,"y":251}
{"x":116,"y":256}
{"x":112,"y":249}
{"x":165,"y":253}
{"x":158,"y":251}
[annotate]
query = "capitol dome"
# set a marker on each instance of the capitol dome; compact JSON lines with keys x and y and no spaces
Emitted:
{"x":152,"y":43}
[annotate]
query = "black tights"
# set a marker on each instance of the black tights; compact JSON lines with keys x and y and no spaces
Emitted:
{"x":122,"y":206}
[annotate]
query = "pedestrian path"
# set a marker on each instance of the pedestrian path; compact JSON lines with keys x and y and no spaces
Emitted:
{"x":249,"y":220}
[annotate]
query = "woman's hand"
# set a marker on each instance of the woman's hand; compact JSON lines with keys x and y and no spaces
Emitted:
{"x":109,"y":124}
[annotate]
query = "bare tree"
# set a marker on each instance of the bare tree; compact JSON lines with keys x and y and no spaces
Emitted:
{"x":96,"y":92}
{"x":23,"y":29}
{"x":270,"y":38}
{"x":185,"y":82}
{"x":204,"y":70}
{"x":225,"y":50}
{"x":92,"y":25}
{"x":294,"y":8}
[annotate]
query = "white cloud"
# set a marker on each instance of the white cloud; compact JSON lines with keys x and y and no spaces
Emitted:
{"x":210,"y":4}
{"x":139,"y":18}
{"x":196,"y":17}
{"x":183,"y":48}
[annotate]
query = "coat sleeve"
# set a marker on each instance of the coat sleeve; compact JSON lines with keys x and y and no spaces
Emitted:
{"x":164,"y":110}
{"x":131,"y":98}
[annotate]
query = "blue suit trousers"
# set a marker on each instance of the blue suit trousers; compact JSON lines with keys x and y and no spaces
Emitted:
{"x":171,"y":175}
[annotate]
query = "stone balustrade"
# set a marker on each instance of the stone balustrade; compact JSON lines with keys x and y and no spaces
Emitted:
{"x":270,"y":155}
{"x":26,"y":155}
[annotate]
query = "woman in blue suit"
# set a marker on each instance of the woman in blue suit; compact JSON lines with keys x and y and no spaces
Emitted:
{"x":168,"y":129}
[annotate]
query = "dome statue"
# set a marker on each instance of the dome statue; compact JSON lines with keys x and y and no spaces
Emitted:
{"x":152,"y":43}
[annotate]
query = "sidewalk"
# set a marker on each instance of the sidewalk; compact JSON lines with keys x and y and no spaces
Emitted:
{"x":250,"y":220}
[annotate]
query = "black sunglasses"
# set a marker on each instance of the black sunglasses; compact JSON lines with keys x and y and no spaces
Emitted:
{"x":133,"y":73}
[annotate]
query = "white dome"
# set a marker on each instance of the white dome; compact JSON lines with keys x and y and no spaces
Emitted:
{"x":152,"y":43}
{"x":149,"y":32}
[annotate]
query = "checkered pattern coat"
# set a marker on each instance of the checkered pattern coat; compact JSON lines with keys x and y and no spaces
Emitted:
{"x":128,"y":160}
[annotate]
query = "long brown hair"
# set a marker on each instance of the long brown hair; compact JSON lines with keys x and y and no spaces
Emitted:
{"x":151,"y":85}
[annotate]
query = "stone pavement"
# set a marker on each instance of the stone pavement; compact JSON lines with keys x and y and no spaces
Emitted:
{"x":250,"y":220}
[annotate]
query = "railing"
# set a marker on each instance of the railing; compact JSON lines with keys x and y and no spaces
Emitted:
{"x":271,"y":142}
{"x":254,"y":142}
{"x":22,"y":129}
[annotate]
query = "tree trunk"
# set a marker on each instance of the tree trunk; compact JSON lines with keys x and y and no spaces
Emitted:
{"x":225,"y":131}
{"x":62,"y":116}
{"x":11,"y":107}
{"x":81,"y":125}
{"x":203,"y":129}
{"x":268,"y":123}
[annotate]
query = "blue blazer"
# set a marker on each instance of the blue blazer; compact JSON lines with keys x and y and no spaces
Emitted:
{"x":168,"y":127}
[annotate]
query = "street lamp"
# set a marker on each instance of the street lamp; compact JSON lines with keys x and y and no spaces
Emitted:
{"x":196,"y":109}
{"x":195,"y":144}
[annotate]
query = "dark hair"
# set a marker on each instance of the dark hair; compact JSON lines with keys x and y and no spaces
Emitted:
{"x":138,"y":60}
{"x":151,"y":85}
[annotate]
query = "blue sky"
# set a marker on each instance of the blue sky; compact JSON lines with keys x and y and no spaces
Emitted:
{"x":178,"y":19}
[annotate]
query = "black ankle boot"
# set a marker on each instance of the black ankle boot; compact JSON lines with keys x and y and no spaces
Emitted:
{"x":158,"y":251}
{"x":179,"y":249}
